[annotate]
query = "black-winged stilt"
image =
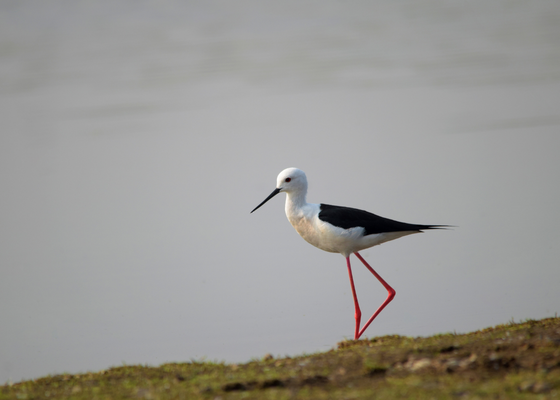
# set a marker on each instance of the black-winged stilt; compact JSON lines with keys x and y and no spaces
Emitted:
{"x":341,"y":230}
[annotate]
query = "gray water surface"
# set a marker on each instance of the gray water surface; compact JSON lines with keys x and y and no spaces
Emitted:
{"x":135,"y":137}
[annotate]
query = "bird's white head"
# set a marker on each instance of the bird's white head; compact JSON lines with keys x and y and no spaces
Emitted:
{"x":292,"y":181}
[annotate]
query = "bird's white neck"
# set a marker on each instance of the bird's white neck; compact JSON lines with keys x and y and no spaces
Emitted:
{"x":295,"y":201}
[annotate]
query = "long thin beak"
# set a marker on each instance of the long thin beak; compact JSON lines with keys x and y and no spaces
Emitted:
{"x":274,"y":193}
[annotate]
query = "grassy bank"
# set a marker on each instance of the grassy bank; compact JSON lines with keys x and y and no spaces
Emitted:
{"x":511,"y":361}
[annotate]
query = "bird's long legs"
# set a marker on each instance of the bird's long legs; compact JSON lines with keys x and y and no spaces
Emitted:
{"x":358,"y":314}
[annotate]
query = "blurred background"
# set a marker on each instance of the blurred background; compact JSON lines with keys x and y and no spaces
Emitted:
{"x":136,"y":137}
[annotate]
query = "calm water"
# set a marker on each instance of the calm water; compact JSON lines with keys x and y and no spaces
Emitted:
{"x":136,"y":137}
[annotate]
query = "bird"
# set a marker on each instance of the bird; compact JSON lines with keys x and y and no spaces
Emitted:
{"x":339,"y":229}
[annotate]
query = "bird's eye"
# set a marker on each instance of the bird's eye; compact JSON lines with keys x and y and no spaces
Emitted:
{"x":288,"y":179}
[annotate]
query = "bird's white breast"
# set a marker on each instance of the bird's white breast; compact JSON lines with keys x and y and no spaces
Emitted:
{"x":321,"y":234}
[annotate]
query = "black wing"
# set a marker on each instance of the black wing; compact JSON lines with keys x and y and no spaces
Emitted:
{"x":347,"y":217}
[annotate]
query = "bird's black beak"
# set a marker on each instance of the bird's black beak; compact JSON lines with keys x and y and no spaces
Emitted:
{"x":274,"y":193}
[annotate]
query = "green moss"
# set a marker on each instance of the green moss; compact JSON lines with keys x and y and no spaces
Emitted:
{"x":509,"y":361}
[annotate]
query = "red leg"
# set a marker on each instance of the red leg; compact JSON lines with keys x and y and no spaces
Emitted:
{"x":390,"y":297}
{"x":358,"y":313}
